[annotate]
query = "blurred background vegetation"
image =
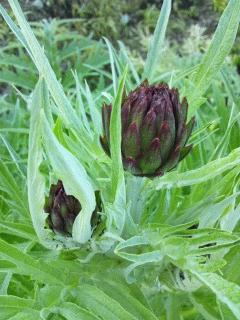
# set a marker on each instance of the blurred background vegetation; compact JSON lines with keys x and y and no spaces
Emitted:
{"x":191,"y":25}
{"x":129,"y":21}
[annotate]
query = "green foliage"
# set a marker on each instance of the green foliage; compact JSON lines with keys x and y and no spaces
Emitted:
{"x":219,"y":4}
{"x":164,"y":249}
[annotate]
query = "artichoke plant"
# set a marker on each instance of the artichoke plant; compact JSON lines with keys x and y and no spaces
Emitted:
{"x":62,"y":209}
{"x":154,"y":129}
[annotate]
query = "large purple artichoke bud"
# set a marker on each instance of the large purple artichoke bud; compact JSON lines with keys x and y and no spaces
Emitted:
{"x":62,"y":209}
{"x":154,"y":129}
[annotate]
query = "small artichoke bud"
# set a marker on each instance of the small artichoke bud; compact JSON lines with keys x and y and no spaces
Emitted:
{"x":62,"y":209}
{"x":154,"y":129}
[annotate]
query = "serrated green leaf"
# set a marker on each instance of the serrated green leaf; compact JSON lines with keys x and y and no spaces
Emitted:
{"x":101,"y":304}
{"x":227,"y":292}
{"x":72,"y":311}
{"x":205,"y":173}
{"x":29,"y":266}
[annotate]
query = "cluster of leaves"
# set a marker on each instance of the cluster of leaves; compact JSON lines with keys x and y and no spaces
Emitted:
{"x":169,"y":247}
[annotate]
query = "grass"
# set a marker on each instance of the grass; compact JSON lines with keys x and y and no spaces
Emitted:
{"x":166,"y":248}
